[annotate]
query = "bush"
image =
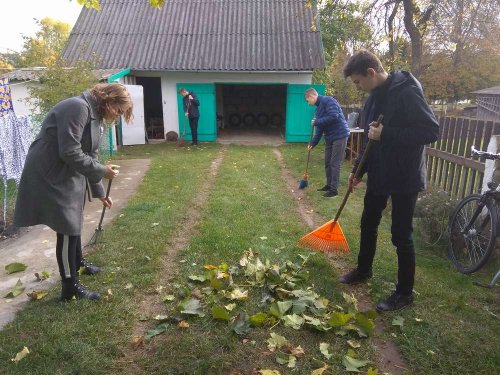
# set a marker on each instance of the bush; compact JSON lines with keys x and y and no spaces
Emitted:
{"x":432,"y":214}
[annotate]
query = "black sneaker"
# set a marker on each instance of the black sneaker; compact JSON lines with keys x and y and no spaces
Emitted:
{"x":89,"y":268}
{"x":324,"y":188}
{"x":395,"y":302}
{"x":355,"y":277}
{"x":330,"y":193}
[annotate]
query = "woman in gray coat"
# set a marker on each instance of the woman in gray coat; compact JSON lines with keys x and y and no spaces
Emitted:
{"x":60,"y":163}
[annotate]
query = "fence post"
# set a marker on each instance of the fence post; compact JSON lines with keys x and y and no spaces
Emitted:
{"x":491,"y":167}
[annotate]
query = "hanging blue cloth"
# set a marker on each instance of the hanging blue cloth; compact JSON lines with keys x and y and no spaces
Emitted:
{"x":5,"y":97}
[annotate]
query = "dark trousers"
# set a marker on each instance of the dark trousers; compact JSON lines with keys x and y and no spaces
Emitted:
{"x":403,"y":207}
{"x":334,"y":154}
{"x":69,"y":255}
{"x":193,"y":124}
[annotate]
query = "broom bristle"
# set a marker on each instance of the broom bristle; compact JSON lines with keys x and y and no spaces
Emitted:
{"x":328,"y":238}
{"x":303,"y":184}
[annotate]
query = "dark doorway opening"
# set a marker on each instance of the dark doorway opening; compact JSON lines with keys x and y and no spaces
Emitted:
{"x":248,"y":112}
{"x":153,"y":109}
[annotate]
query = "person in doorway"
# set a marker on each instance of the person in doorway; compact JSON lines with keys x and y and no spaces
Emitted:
{"x":60,"y":163}
{"x":330,"y":122}
{"x":395,"y":166}
{"x":191,"y":104}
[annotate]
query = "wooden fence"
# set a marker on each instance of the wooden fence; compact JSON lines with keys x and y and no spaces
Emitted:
{"x":449,"y":163}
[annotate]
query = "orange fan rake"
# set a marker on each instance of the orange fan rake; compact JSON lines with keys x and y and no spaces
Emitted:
{"x":329,"y":238}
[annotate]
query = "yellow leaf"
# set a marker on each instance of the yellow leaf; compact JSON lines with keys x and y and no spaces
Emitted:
{"x":137,"y":341}
{"x":320,"y":370}
{"x":210,"y":267}
{"x":37,"y":295}
{"x":269,"y":372}
{"x":23,"y":353}
{"x":183,"y":324}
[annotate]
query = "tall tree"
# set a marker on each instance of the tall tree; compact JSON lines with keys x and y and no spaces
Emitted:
{"x":46,"y":46}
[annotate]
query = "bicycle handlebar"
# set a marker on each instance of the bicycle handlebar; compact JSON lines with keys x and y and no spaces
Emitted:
{"x":485,"y":155}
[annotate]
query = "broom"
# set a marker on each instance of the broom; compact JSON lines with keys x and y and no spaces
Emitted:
{"x":99,"y":230}
{"x":329,"y":238}
{"x":181,"y":142}
{"x":304,"y":182}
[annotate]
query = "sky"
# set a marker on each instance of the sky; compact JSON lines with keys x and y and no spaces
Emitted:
{"x":20,"y":18}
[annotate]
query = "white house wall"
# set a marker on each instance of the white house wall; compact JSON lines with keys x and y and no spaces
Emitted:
{"x":169,"y":81}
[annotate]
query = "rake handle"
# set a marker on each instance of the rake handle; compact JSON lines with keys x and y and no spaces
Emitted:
{"x":357,"y":172}
{"x":99,"y":227}
{"x":309,"y":151}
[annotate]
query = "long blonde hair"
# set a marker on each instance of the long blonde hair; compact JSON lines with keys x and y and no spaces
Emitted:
{"x":113,"y":100}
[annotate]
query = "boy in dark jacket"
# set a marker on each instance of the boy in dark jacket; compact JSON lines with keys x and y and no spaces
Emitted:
{"x":330,"y":122}
{"x":191,"y":104}
{"x":395,"y":166}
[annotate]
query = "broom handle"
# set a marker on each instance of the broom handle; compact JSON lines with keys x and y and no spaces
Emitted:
{"x":309,"y":151}
{"x":358,"y":171}
{"x":104,"y":206}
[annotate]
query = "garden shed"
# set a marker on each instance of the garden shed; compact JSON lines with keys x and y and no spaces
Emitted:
{"x":249,"y":62}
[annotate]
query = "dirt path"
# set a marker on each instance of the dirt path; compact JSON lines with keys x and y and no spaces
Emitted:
{"x":151,"y":304}
{"x":390,"y":359}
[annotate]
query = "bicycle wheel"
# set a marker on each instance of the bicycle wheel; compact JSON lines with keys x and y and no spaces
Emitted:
{"x":470,"y":246}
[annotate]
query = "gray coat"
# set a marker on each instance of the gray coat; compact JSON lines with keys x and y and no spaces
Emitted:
{"x":64,"y":153}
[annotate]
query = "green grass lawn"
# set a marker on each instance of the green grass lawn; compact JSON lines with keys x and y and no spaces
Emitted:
{"x":452,"y":328}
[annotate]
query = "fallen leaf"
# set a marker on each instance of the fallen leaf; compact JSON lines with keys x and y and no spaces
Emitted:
{"x":44,"y":276}
{"x":161,"y":317}
{"x":37,"y":295}
{"x":275,"y":342}
{"x":23,"y":353}
{"x":155,"y":224}
{"x":137,"y":341}
{"x":154,"y":332}
{"x":320,"y":371}
{"x":220,"y":313}
{"x":130,"y":248}
{"x":183,"y":324}
{"x":168,"y":298}
{"x":17,"y":290}
{"x":210,"y":267}
{"x":15,"y":267}
{"x":354,"y":344}
{"x":129,"y":286}
{"x":323,"y":348}
{"x":263,"y":238}
{"x":353,"y":364}
{"x":298,"y":351}
{"x":230,"y":307}
{"x":398,"y":321}
{"x":268,"y":372}
{"x":45,"y":241}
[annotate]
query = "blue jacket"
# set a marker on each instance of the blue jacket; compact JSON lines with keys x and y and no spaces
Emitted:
{"x":330,"y":121}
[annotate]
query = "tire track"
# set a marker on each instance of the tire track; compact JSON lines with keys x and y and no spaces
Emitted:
{"x":150,"y":304}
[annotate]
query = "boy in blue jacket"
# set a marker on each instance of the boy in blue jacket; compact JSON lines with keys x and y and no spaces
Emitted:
{"x":330,"y":122}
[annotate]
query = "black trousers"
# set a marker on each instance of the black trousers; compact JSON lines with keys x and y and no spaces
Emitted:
{"x":193,"y":124}
{"x":69,"y":255}
{"x":403,"y":207}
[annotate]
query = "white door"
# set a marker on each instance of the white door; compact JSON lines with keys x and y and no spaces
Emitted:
{"x":134,"y":132}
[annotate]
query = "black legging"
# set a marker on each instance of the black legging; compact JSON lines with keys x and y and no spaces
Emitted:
{"x":69,"y":255}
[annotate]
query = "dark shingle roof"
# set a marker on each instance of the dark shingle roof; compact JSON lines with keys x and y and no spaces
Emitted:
{"x":214,"y":35}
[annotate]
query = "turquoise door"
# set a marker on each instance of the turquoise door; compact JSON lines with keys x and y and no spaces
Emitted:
{"x":207,"y":130}
{"x":298,"y":113}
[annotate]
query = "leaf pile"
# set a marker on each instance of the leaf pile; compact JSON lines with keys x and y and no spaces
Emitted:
{"x":284,"y":299}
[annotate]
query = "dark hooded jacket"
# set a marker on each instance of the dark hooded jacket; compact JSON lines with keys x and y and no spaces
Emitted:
{"x":396,"y":163}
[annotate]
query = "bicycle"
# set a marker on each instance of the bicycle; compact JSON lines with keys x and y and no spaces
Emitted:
{"x":474,"y":226}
